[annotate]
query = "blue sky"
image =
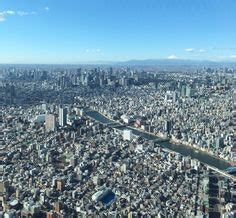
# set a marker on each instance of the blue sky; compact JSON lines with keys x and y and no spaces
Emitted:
{"x":73,"y":31}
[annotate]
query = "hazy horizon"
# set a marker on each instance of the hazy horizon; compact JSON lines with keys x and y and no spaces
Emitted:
{"x":161,"y":61}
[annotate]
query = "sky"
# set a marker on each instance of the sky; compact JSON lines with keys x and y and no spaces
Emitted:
{"x":79,"y":31}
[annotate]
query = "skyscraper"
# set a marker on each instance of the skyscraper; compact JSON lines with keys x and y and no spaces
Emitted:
{"x":50,"y":122}
{"x":62,"y":116}
{"x":175,"y":97}
{"x":183,"y":91}
{"x":167,"y":126}
{"x":10,"y":94}
{"x":188,"y":92}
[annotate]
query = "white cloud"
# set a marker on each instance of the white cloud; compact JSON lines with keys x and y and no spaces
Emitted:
{"x":233,"y":56}
{"x":9,"y":12}
{"x":189,"y":49}
{"x":172,"y":57}
{"x":47,"y":8}
{"x":5,"y":14}
{"x":22,"y":13}
{"x":197,"y":51}
{"x":202,"y":50}
{"x":93,"y":50}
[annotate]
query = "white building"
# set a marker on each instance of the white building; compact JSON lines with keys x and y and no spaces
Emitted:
{"x":62,"y":116}
{"x":50,"y":122}
{"x":127,"y":135}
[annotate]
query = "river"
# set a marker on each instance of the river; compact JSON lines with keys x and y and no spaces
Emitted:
{"x":182,"y":149}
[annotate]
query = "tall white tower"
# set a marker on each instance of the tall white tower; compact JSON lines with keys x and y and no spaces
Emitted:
{"x":62,"y":116}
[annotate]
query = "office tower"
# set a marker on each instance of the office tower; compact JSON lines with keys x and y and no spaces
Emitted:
{"x":124,"y":81}
{"x":44,"y":75}
{"x":111,"y":70}
{"x":175,"y":97}
{"x":10,"y":94}
{"x":188,"y":92}
{"x":101,"y":82}
{"x":62,"y":83}
{"x":183,"y":91}
{"x":50,"y":122}
{"x":167,"y":126}
{"x":86,"y":80}
{"x":62,"y":116}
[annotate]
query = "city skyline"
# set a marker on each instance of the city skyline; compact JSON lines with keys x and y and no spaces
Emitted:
{"x":115,"y":141}
{"x":117,"y":108}
{"x":78,"y":32}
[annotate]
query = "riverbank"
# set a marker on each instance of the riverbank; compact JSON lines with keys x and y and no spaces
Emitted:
{"x":184,"y":150}
{"x":178,"y":142}
{"x":171,"y":140}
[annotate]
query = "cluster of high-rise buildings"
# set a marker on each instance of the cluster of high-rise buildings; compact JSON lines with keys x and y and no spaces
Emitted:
{"x":50,"y":120}
{"x":56,"y":160}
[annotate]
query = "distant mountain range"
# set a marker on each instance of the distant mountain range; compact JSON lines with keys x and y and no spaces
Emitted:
{"x":167,"y":62}
{"x":147,"y":62}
